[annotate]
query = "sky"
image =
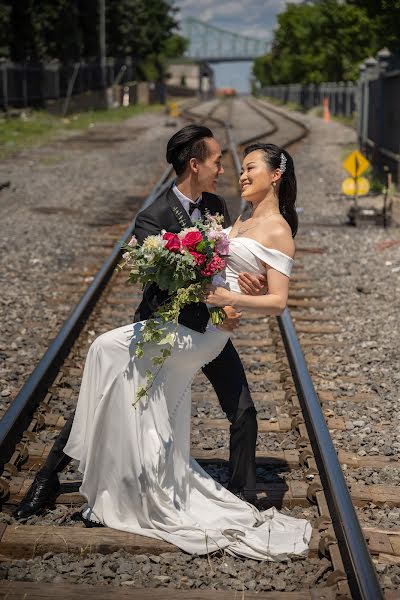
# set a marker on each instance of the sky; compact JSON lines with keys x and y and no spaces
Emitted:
{"x":255,"y":18}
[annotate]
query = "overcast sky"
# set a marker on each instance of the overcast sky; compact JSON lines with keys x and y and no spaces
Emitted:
{"x":256,"y":18}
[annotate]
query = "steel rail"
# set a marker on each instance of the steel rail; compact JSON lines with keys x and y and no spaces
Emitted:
{"x":34,"y":390}
{"x":364,"y":577}
{"x":363,"y":569}
{"x":19,"y":413}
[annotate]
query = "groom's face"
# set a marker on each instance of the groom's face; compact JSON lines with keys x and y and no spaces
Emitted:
{"x":211,"y":168}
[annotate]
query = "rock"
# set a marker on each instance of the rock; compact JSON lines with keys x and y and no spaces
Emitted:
{"x":279,"y":584}
{"x":47,"y":555}
{"x":162,"y":579}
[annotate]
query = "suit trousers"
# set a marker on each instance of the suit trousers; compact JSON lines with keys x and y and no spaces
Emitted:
{"x":226,"y":375}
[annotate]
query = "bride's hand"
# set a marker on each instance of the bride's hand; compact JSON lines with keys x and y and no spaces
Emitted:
{"x":251,"y":284}
{"x":218,"y":296}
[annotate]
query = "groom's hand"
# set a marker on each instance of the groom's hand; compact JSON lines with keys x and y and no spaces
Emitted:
{"x":251,"y":284}
{"x":232,"y":319}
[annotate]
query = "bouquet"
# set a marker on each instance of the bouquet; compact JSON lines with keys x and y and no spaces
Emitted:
{"x":183,"y":264}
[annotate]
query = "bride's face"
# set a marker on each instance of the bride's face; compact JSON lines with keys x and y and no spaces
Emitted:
{"x":256,"y":177}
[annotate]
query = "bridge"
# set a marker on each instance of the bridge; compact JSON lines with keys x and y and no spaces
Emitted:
{"x":213,"y":44}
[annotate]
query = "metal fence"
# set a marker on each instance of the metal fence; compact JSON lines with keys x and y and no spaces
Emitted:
{"x":341,"y":96}
{"x":374,"y":100}
{"x":32,"y":84}
{"x":378,"y":122}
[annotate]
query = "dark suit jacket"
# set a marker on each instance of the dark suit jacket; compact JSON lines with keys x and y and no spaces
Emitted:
{"x":160,"y":215}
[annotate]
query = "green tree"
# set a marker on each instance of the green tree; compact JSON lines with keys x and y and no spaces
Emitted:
{"x":323,"y":41}
{"x":145,"y":31}
{"x":385,"y":16}
{"x":45,"y":29}
{"x":5,"y":28}
{"x":69,"y":30}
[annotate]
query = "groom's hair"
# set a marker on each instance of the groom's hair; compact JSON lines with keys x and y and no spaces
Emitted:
{"x":189,"y":142}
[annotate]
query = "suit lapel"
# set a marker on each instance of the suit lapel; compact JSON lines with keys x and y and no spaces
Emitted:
{"x":176,"y":207}
{"x":212,"y":203}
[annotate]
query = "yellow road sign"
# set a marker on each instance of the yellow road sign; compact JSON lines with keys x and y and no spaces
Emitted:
{"x":355,"y":187}
{"x":356,"y":163}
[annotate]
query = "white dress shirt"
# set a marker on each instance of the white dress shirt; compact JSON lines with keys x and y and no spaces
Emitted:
{"x":186,"y":202}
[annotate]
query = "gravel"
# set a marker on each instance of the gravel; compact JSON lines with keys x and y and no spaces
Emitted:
{"x":64,"y":199}
{"x":174,"y":570}
{"x":359,"y":280}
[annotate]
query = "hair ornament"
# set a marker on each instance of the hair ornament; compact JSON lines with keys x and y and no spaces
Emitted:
{"x":282,"y":166}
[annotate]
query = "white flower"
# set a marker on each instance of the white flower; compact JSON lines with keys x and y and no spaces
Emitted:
{"x":182,"y":233}
{"x":152,"y":243}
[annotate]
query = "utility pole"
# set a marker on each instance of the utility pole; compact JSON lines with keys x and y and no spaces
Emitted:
{"x":102,"y":34}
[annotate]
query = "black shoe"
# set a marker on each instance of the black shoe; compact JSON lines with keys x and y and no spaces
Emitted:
{"x":40,"y":495}
{"x":88,"y":523}
{"x":240,"y":493}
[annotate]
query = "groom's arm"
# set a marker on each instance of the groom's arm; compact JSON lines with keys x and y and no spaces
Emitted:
{"x":146,"y":224}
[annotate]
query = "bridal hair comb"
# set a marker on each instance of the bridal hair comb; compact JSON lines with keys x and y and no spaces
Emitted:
{"x":282,"y":166}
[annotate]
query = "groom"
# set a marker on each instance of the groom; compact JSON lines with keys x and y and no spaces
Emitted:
{"x":196,"y":158}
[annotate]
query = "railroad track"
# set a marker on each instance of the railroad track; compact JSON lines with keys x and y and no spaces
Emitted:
{"x":294,"y":471}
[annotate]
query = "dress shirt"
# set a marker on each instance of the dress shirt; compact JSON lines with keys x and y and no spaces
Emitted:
{"x":186,"y":202}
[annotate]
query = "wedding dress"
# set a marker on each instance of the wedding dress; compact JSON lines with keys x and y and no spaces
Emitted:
{"x":138,"y":475}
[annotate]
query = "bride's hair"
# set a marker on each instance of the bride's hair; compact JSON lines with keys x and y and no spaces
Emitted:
{"x":287,"y":186}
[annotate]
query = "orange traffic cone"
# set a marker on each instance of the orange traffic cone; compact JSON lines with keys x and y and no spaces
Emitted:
{"x":327,"y":114}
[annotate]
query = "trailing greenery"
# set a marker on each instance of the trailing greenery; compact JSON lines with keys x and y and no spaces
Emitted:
{"x":32,"y":30}
{"x":326,"y":40}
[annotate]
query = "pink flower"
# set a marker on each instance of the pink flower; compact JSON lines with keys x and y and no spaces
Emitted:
{"x":133,"y":241}
{"x":191,"y":240}
{"x":199,"y":258}
{"x":173,"y":242}
{"x":222,"y":245}
{"x":215,"y":265}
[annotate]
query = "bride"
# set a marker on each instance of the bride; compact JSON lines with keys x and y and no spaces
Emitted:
{"x":138,"y":475}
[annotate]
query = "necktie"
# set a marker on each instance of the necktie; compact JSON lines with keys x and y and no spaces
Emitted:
{"x":193,"y":205}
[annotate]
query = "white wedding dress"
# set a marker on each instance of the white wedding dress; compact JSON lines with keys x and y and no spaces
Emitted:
{"x":138,"y":475}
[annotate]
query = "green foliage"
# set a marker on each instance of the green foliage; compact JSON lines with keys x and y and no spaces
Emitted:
{"x":5,"y":14}
{"x":69,"y":30}
{"x":173,"y":268}
{"x":323,"y":41}
{"x":385,"y":18}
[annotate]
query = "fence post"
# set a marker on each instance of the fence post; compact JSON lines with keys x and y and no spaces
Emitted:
{"x":348,"y":94}
{"x":70,"y":88}
{"x":24,"y":85}
{"x":360,"y":105}
{"x":370,"y":64}
{"x":5,"y":84}
{"x":383,"y":55}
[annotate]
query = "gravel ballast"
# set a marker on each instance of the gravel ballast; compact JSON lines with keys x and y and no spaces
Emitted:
{"x":361,"y":284}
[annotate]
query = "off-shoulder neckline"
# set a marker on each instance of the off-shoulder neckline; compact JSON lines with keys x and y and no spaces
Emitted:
{"x":244,"y":237}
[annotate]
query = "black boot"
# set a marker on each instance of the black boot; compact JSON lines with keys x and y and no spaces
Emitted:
{"x":244,"y":495}
{"x":42,"y":493}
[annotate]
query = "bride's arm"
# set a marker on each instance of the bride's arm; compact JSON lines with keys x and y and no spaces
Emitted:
{"x":273,"y":303}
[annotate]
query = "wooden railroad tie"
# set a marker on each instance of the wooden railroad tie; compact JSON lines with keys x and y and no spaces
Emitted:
{"x":17,"y":590}
{"x":288,"y":493}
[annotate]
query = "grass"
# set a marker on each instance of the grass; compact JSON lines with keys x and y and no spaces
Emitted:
{"x":349,"y":121}
{"x":38,"y":127}
{"x":277,"y":102}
